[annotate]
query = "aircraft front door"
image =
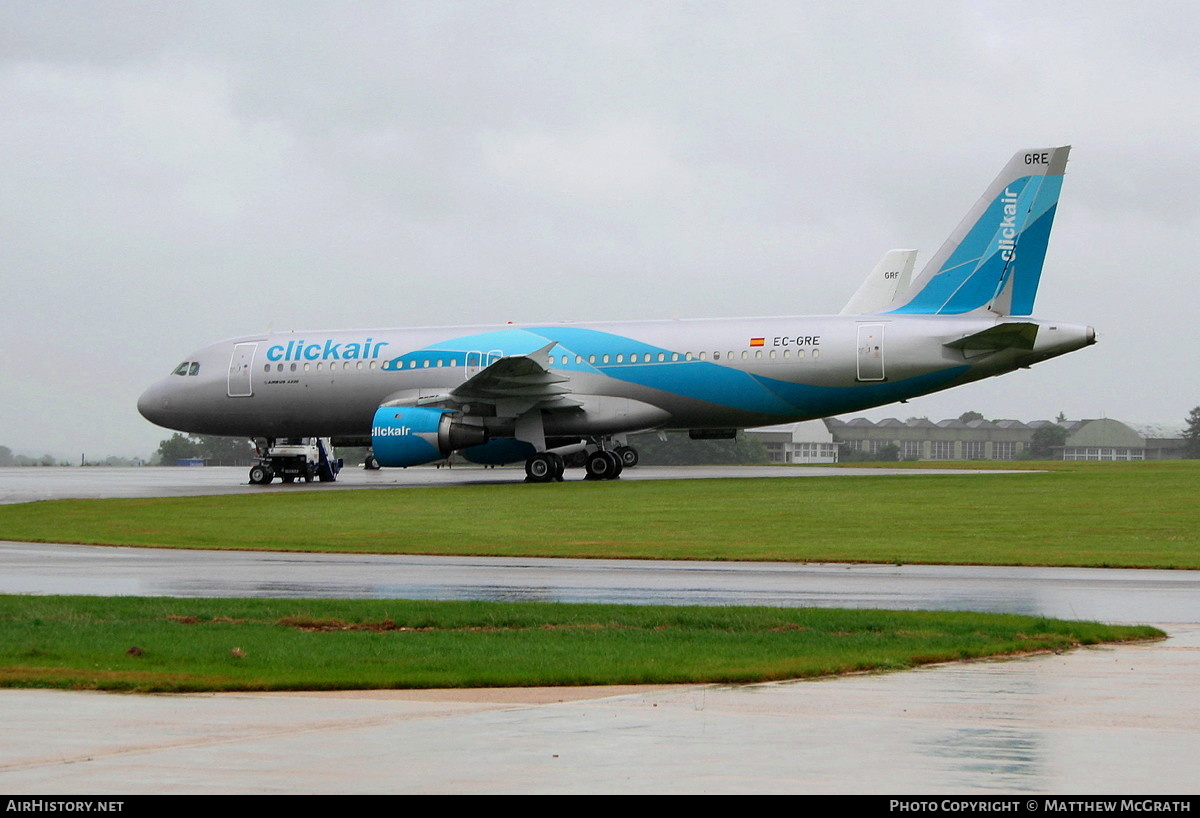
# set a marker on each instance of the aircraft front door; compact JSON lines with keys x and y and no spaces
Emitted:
{"x":870,"y":352}
{"x":239,"y":371}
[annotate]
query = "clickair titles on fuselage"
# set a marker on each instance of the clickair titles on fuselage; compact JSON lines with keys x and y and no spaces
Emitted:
{"x":328,"y":350}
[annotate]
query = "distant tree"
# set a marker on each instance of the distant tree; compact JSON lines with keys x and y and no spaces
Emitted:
{"x":681,"y":450}
{"x":6,"y":456}
{"x":1062,"y":418}
{"x":111,"y":461}
{"x":217,"y":450}
{"x":1045,"y":440}
{"x":888,"y":453}
{"x":177,"y":447}
{"x":967,"y":417}
{"x":1191,"y":435}
{"x":225,"y":451}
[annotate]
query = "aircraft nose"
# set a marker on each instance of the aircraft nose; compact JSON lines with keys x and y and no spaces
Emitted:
{"x":154,"y":403}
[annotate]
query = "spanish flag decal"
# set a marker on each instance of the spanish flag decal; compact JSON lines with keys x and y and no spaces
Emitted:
{"x":756,"y":342}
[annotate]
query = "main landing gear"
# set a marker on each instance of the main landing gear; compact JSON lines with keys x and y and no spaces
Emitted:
{"x":545,"y":467}
{"x":599,"y":464}
{"x":603,"y":465}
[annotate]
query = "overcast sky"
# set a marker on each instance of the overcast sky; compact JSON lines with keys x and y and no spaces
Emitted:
{"x":174,"y":173}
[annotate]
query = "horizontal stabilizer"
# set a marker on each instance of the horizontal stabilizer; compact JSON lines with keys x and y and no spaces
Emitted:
{"x":1001,"y":336}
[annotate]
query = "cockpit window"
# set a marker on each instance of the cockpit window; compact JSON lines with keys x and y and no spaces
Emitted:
{"x":182,"y":369}
{"x":194,"y":369}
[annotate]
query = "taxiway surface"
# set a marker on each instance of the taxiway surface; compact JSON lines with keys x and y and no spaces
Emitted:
{"x":1122,"y":719}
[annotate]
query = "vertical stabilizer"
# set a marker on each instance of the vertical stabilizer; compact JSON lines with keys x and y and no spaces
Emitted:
{"x":877,"y":292}
{"x":993,"y":259}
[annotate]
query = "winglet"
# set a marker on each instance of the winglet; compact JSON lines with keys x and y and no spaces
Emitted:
{"x":877,"y":292}
{"x":993,"y":259}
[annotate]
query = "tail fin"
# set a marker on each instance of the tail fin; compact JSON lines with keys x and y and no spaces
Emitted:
{"x":877,"y":292}
{"x":994,"y":257}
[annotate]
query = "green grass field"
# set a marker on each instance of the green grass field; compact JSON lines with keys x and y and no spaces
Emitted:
{"x":178,"y":645}
{"x":1077,"y":514}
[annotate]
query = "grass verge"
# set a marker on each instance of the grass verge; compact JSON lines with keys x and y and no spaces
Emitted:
{"x":181,"y":645}
{"x":1077,"y":514}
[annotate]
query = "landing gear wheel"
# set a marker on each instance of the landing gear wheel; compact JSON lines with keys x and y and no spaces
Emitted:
{"x":618,"y":465}
{"x":371,"y":464}
{"x":560,"y":466}
{"x":628,"y":455}
{"x":539,"y":468}
{"x":260,"y":475}
{"x":602,"y":466}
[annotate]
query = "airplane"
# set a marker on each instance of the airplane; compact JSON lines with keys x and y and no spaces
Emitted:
{"x":536,"y":392}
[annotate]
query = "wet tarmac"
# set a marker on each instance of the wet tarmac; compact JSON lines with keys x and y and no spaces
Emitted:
{"x":23,"y":485}
{"x":1119,"y":596}
{"x":1093,"y":721}
{"x":1122,"y":719}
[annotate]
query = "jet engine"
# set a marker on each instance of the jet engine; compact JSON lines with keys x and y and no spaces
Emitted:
{"x":500,"y":452}
{"x":412,"y":435}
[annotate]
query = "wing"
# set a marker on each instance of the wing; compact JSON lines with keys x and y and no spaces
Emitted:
{"x":510,"y":387}
{"x":515,"y":385}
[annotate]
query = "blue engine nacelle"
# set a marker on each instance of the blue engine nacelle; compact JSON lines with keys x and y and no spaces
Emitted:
{"x":500,"y":452}
{"x":412,"y":435}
